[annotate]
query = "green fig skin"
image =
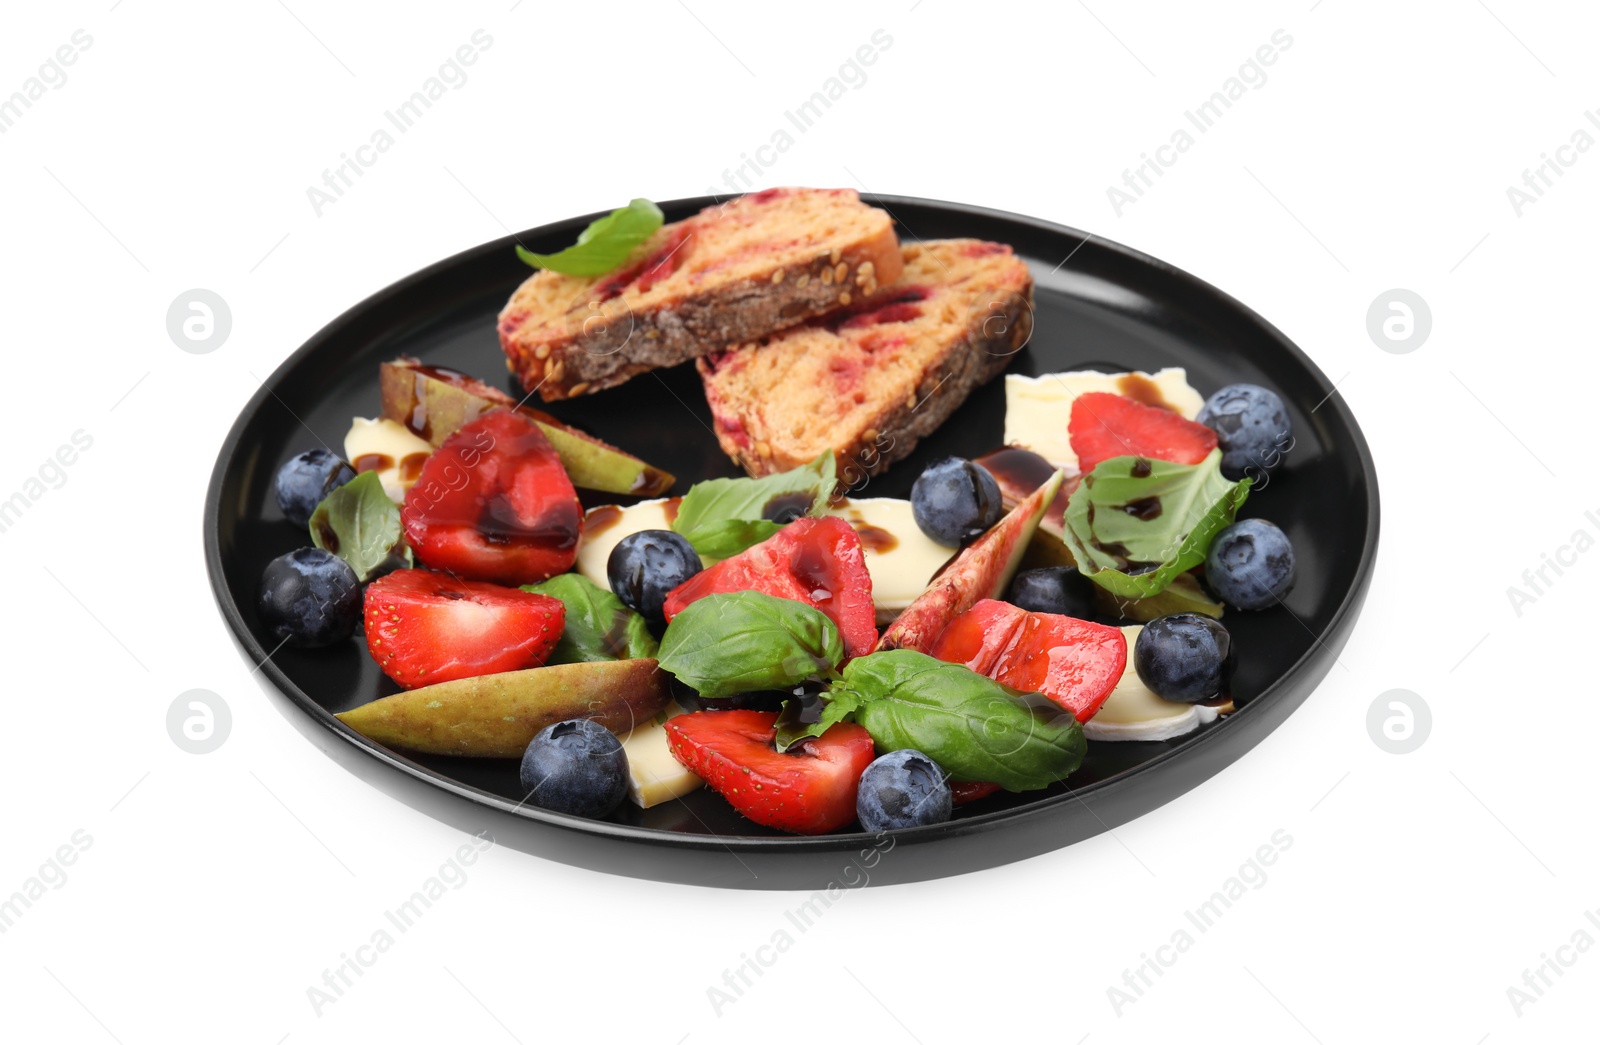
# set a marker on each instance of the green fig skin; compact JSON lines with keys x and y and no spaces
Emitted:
{"x":495,"y":716}
{"x":434,"y":401}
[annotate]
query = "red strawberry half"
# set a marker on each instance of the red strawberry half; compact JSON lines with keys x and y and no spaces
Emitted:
{"x":1105,"y":425}
{"x":963,"y":792}
{"x":815,"y":561}
{"x":424,"y":627}
{"x":1073,"y":662}
{"x":809,"y":789}
{"x":494,"y":504}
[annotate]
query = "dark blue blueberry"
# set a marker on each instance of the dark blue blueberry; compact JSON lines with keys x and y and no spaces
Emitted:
{"x":1250,"y":565}
{"x":904,"y":788}
{"x":645,"y":566}
{"x":1055,"y":589}
{"x":305,"y":479}
{"x":1185,"y":657}
{"x":309,"y":597}
{"x":1252,"y":427}
{"x":576,"y":767}
{"x":955,"y":500}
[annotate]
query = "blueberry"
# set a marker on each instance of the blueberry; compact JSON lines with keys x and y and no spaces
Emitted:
{"x":955,"y":500}
{"x":576,"y":767}
{"x":1055,"y":589}
{"x":1250,"y":565}
{"x":305,"y":479}
{"x":904,"y":788}
{"x":1252,"y":427}
{"x":309,"y":597}
{"x":645,"y":566}
{"x":1185,"y":657}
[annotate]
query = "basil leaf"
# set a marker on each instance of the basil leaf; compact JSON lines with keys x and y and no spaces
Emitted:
{"x":709,"y":508}
{"x":1134,"y":524}
{"x":974,"y":727}
{"x":599,"y":626}
{"x":361,"y":525}
{"x":746,"y":641}
{"x":725,"y":539}
{"x":796,"y":722}
{"x":605,"y":244}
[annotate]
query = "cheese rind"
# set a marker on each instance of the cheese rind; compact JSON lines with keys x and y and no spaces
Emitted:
{"x":1132,"y":712}
{"x":654,"y":775}
{"x":1038,"y":408}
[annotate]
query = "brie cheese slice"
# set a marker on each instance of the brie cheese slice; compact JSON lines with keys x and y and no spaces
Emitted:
{"x":654,"y":775}
{"x":389,"y":448}
{"x":605,"y":527}
{"x":901,"y":559}
{"x":1038,"y":408}
{"x":1132,"y":712}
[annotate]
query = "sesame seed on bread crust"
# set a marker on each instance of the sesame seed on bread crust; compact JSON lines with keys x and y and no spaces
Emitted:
{"x":879,"y":374}
{"x":734,"y":272}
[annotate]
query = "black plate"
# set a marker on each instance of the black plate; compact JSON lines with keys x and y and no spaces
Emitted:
{"x":1108,"y":307}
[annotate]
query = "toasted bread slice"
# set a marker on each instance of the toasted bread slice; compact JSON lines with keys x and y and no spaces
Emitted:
{"x":734,"y":272}
{"x":870,"y":380}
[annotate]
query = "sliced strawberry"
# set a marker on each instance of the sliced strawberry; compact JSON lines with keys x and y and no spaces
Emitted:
{"x":424,"y":627}
{"x":964,"y":791}
{"x":1105,"y":425}
{"x":815,"y":561}
{"x":809,"y":789}
{"x":1073,"y":662}
{"x":494,"y":504}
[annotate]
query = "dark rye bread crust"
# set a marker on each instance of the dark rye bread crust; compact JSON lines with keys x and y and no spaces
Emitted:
{"x":991,"y":341}
{"x":601,"y":344}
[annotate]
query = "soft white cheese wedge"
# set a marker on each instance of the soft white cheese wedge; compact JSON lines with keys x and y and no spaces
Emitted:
{"x":901,"y":559}
{"x":1132,"y":712}
{"x":1038,"y":408}
{"x":605,"y":526}
{"x":654,"y":776}
{"x":389,"y":448}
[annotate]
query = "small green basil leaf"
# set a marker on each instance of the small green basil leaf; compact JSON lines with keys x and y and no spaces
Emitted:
{"x":1133,"y":524}
{"x":746,"y":641}
{"x":599,"y":626}
{"x":975,"y":728}
{"x":792,"y":725}
{"x":361,"y":525}
{"x":605,"y":244}
{"x":708,"y":508}
{"x":725,"y":539}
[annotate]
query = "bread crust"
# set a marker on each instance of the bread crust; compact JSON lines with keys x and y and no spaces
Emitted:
{"x":992,"y":339}
{"x":605,"y":345}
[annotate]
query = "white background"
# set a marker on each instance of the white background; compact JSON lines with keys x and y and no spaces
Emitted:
{"x":1376,"y":155}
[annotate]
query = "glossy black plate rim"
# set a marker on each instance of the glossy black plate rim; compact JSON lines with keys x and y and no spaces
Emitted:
{"x":1306,"y":672}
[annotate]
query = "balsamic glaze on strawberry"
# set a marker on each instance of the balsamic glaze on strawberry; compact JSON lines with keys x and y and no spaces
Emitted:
{"x":494,"y":504}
